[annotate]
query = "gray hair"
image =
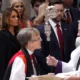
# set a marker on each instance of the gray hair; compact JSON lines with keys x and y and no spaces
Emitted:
{"x":25,"y":35}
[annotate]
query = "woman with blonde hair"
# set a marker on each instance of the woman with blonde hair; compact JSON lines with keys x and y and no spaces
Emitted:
{"x":20,"y":7}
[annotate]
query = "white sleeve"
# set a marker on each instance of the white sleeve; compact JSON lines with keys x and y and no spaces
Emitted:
{"x":18,"y":70}
{"x":71,"y":65}
{"x":78,"y":72}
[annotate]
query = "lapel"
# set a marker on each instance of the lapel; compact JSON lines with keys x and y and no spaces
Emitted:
{"x":72,"y":14}
{"x":53,"y":36}
{"x":64,"y":29}
{"x":65,"y":33}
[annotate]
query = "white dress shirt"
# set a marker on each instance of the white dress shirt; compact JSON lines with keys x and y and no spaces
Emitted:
{"x":53,"y":25}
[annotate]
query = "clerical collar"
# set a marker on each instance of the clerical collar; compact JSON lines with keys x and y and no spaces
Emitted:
{"x":30,"y":52}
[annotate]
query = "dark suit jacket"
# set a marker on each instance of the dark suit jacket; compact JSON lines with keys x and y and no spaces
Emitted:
{"x":75,"y":15}
{"x":8,"y":47}
{"x":52,"y":47}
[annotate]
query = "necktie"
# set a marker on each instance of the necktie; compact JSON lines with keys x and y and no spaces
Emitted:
{"x":33,"y":63}
{"x":31,"y":56}
{"x":78,"y":63}
{"x":68,"y":17}
{"x":60,"y":38}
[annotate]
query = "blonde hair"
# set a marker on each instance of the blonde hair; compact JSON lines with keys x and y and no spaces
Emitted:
{"x":12,"y":2}
{"x":24,"y":17}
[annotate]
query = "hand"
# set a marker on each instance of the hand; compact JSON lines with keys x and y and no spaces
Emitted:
{"x":51,"y":61}
{"x":41,"y":13}
{"x":33,"y":77}
{"x":42,"y":9}
{"x":72,"y":78}
{"x":51,"y":74}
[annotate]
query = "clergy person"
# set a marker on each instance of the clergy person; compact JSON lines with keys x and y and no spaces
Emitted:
{"x":72,"y":66}
{"x":24,"y":64}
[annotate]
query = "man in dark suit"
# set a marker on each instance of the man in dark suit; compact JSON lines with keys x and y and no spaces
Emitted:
{"x":73,"y":13}
{"x":61,"y":40}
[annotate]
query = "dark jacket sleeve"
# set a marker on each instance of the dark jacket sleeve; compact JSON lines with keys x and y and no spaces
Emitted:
{"x":3,"y":51}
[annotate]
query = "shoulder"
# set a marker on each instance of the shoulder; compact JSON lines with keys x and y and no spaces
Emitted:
{"x":16,"y":55}
{"x":74,"y":9}
{"x":4,"y":33}
{"x":76,"y":52}
{"x":23,"y":58}
{"x":20,"y":61}
{"x":4,"y":38}
{"x":41,"y":27}
{"x":65,"y":25}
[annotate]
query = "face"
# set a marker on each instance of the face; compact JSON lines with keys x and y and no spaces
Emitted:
{"x":19,"y":7}
{"x":36,"y":42}
{"x":60,"y":10}
{"x":36,"y":6}
{"x":13,"y":19}
{"x":67,"y":3}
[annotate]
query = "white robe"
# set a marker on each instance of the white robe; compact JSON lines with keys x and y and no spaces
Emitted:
{"x":71,"y":65}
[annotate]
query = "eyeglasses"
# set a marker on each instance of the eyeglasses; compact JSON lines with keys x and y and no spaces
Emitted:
{"x":37,"y":39}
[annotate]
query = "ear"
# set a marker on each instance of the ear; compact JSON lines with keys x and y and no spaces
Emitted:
{"x":29,"y":44}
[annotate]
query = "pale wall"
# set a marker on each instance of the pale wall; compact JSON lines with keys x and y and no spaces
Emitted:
{"x":27,"y":4}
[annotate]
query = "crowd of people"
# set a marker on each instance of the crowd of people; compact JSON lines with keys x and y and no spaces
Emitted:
{"x":40,"y":45}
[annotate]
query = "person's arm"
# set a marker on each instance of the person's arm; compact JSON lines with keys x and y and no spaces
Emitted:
{"x":52,"y":61}
{"x":73,"y":78}
{"x":3,"y":55}
{"x":18,"y":70}
{"x":61,"y":66}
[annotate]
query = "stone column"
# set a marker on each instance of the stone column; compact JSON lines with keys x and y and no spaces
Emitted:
{"x":4,"y":4}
